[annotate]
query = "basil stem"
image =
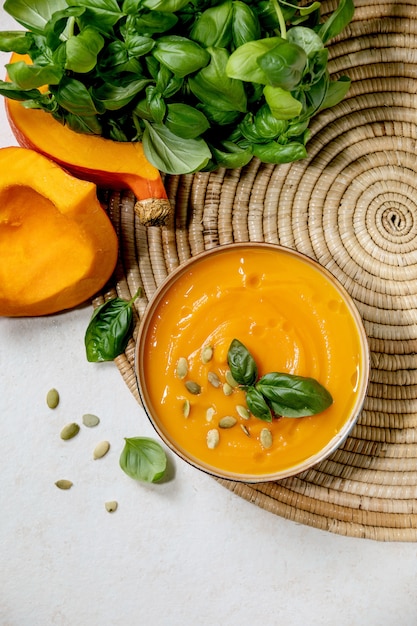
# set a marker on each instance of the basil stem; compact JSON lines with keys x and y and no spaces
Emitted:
{"x":110,"y":329}
{"x":275,"y":394}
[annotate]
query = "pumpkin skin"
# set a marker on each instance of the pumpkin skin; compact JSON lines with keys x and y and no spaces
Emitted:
{"x":108,"y":164}
{"x":58,"y":247}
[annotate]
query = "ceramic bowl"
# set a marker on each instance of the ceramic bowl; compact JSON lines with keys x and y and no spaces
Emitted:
{"x":292,"y":316}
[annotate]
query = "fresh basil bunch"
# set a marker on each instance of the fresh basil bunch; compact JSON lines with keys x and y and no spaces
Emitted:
{"x":202,"y":83}
{"x":275,"y":394}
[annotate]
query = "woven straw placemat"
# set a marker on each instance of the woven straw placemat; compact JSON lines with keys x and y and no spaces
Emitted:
{"x":352,"y":205}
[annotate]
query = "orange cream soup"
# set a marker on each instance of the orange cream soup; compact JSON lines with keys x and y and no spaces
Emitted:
{"x":290,"y":317}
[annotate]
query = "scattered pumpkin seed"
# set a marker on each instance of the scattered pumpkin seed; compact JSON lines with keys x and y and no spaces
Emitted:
{"x":182,"y":367}
{"x":90,"y":420}
{"x":52,"y":398}
{"x":69,"y":431}
{"x":230,"y":380}
{"x":265,"y":438}
{"x":210,"y":413}
{"x":213,"y":438}
{"x":111,"y":506}
{"x":227,"y":389}
{"x":193,"y":387}
{"x":64,"y":484}
{"x":207,"y":354}
{"x":227,"y":422}
{"x":242,"y":411}
{"x":101,"y":449}
{"x":245,"y":430}
{"x":186,"y":407}
{"x":214,"y":379}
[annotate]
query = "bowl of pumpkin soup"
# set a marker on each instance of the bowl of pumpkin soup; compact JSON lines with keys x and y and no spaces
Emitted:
{"x":252,"y":362}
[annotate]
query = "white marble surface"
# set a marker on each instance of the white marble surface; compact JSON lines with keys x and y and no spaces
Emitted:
{"x":187,"y":552}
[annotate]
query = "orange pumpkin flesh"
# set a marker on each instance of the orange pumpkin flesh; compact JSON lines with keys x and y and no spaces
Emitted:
{"x":57,"y":245}
{"x":109,"y":164}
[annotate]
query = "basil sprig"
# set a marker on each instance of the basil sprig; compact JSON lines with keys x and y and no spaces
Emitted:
{"x":275,"y":394}
{"x":143,"y":459}
{"x":201,"y":84}
{"x":110,"y":329}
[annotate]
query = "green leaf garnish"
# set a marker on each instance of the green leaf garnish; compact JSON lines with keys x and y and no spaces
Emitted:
{"x":109,"y":330}
{"x":242,"y":364}
{"x":143,"y":459}
{"x":276,"y":394}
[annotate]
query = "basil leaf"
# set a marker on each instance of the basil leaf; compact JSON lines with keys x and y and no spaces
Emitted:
{"x":213,"y":86}
{"x":294,"y":396}
{"x":143,"y":459}
{"x":214,"y":26}
{"x":241,"y":363}
{"x":336,"y":91}
{"x":100,"y":14}
{"x":109,"y":330}
{"x":337,"y":21}
{"x":283,"y":65}
{"x":274,"y":152}
{"x":181,"y":55}
{"x":229,"y":155}
{"x":82,"y":50}
{"x":15,"y":41}
{"x":114,"y":97}
{"x":245,"y":24}
{"x":170,"y":6}
{"x":12,"y":91}
{"x":88,"y":124}
{"x":243,"y":62}
{"x":173,"y":154}
{"x":185,"y":121}
{"x":282,"y":104}
{"x":35,"y":14}
{"x":257,"y":405}
{"x":74,"y":97}
{"x":32,"y":76}
{"x":306,"y":38}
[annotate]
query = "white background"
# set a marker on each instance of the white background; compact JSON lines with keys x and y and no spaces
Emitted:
{"x":187,"y":552}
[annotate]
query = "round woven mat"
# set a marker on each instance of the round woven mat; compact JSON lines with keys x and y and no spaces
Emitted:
{"x":352,"y":205}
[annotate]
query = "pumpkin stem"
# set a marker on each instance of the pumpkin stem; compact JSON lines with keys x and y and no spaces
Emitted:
{"x":153,"y":211}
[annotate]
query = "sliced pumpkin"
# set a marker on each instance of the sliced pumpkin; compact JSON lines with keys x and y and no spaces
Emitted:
{"x":58,"y":247}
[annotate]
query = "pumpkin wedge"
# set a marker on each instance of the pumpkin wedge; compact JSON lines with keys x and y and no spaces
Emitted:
{"x":106,"y":163}
{"x":58,"y":247}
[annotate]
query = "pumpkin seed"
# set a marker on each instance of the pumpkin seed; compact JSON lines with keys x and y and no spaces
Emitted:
{"x":182,"y":367}
{"x":193,"y":387}
{"x":69,"y":431}
{"x":101,"y":450}
{"x":227,"y":422}
{"x":111,"y":506}
{"x":209,"y":413}
{"x":227,"y":389}
{"x":64,"y":484}
{"x":213,"y":438}
{"x":265,"y":438}
{"x":52,"y":398}
{"x":214,"y":379}
{"x":230,"y":380}
{"x":90,"y":420}
{"x":206,"y":354}
{"x":242,"y":411}
{"x":245,"y":430}
{"x":186,"y":407}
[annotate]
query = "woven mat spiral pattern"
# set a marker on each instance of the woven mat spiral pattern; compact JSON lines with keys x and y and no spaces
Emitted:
{"x":352,"y":205}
